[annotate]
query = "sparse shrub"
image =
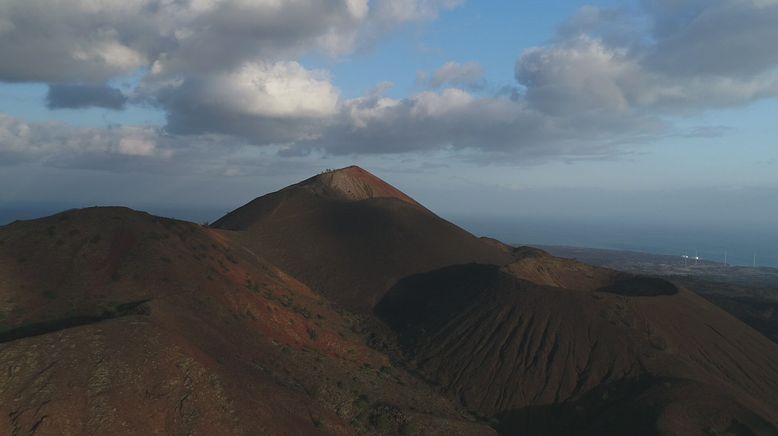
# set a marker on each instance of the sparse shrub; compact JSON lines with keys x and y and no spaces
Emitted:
{"x":154,"y":236}
{"x":361,"y":403}
{"x":95,"y":239}
{"x":302,"y":311}
{"x":51,"y":295}
{"x":409,"y":429}
{"x":253,"y":287}
{"x":286,"y":300}
{"x":381,"y":421}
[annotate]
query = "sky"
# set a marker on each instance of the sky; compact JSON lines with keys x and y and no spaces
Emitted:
{"x":496,"y":114}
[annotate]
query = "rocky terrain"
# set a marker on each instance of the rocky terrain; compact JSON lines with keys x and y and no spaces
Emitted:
{"x":342,"y":306}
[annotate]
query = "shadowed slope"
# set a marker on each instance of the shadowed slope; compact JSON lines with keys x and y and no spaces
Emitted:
{"x":640,"y":406}
{"x":351,"y":236}
{"x":506,"y":346}
{"x":119,"y":322}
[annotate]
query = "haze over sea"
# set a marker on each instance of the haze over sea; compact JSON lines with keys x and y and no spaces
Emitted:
{"x":710,"y":243}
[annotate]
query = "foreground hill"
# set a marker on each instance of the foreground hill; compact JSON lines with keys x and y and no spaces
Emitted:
{"x":552,"y":346}
{"x":114,"y":322}
{"x":351,"y":236}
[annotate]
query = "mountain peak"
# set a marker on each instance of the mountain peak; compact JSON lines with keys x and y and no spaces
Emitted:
{"x":355,"y":183}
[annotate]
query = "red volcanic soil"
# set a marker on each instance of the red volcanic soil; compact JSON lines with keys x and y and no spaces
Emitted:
{"x":354,"y":183}
{"x":546,"y":356}
{"x":116,"y":322}
{"x":351,"y":236}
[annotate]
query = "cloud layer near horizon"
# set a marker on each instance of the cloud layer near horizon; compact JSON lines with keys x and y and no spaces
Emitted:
{"x":231,"y":70}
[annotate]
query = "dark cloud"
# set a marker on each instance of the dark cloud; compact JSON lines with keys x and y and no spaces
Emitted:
{"x":690,"y":56}
{"x":714,"y":38}
{"x":84,"y":41}
{"x":83,"y":96}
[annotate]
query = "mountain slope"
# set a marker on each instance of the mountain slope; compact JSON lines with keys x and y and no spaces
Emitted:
{"x":546,"y":340}
{"x":351,"y":236}
{"x":119,"y":322}
{"x":114,"y":322}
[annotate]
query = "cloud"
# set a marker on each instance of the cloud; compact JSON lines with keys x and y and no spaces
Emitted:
{"x":491,"y":128}
{"x":82,"y":96}
{"x":729,"y":38}
{"x":59,"y":144}
{"x":596,"y":86}
{"x":674,"y":57}
{"x":469,"y":74}
{"x":586,"y":74}
{"x":265,"y":102}
{"x":394,"y":11}
{"x":230,"y":69}
{"x":87,"y":41}
{"x":70,"y":41}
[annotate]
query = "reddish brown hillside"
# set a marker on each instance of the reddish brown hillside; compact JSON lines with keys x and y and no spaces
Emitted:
{"x":616,"y":354}
{"x":119,"y":322}
{"x":351,"y":236}
{"x":354,"y":183}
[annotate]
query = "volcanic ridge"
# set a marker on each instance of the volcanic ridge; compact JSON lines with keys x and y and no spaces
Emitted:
{"x":340,"y":305}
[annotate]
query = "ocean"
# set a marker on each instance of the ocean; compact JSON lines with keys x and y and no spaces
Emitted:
{"x":741,"y":244}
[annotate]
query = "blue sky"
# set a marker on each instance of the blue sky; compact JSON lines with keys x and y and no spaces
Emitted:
{"x":636,"y":111}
